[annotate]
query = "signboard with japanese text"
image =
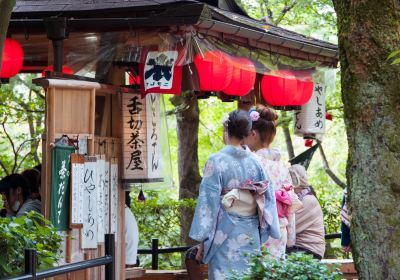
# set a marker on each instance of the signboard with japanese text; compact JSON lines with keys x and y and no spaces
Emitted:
{"x":107,"y":197}
{"x":310,"y":119}
{"x":141,"y":138}
{"x":60,"y":186}
{"x":100,"y":174}
{"x":77,"y":168}
{"x":89,"y":232}
{"x":114,"y":198}
{"x":161,"y":72}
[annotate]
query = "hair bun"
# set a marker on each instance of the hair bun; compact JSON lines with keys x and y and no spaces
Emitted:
{"x":239,"y":124}
{"x":267,"y":113}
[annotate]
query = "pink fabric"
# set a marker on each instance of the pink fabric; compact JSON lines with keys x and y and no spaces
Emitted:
{"x":283,"y":203}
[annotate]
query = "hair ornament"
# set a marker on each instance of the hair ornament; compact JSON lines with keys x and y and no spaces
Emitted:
{"x":254,"y":115}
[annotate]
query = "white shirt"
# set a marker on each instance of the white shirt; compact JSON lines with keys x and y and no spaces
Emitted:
{"x":131,"y":237}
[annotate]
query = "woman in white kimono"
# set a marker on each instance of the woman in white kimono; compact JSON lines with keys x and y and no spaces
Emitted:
{"x":260,"y":138}
{"x":233,"y":182}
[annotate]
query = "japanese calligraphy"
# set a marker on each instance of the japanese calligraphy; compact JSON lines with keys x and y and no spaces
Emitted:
{"x":114,"y":199}
{"x":89,"y":232}
{"x":77,"y":179}
{"x":159,"y":69}
{"x":153,"y":132}
{"x":100,"y":165}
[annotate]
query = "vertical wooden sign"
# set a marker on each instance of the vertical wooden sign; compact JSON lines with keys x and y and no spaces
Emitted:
{"x":141,"y":145}
{"x":89,"y":232}
{"x":100,"y":165}
{"x":77,"y":168}
{"x":107,"y":197}
{"x":114,"y":199}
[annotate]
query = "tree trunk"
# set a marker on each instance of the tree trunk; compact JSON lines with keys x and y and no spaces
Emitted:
{"x":188,"y":164}
{"x":368,"y":33}
{"x":6,"y":7}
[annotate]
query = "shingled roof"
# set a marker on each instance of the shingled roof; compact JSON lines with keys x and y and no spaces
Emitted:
{"x":220,"y":17}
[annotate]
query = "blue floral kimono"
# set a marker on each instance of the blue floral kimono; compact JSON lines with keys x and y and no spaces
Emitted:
{"x":229,"y":238}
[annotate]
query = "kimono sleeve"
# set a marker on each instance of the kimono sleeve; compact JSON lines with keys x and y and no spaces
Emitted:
{"x":270,"y":211}
{"x":208,"y":203}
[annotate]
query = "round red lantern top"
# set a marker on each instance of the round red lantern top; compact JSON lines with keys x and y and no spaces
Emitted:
{"x":214,"y":69}
{"x":279,"y":88}
{"x":243,"y":77}
{"x":13,"y":59}
{"x":65,"y":70}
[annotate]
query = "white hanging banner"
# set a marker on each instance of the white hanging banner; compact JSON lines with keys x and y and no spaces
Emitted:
{"x":141,"y":143}
{"x":100,"y":199}
{"x":153,"y":136}
{"x":107,"y":197}
{"x":114,"y":199}
{"x":89,"y":232}
{"x":310,"y":119}
{"x":77,"y":187}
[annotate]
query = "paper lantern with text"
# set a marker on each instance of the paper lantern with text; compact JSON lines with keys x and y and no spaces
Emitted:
{"x":12,"y":60}
{"x":65,"y":70}
{"x":243,"y":77}
{"x":214,"y":69}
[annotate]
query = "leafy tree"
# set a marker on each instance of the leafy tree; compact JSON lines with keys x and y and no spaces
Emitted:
{"x":21,"y":124}
{"x":368,"y":32}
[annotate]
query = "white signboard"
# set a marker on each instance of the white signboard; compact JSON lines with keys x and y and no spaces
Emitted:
{"x":159,"y":69}
{"x":89,"y":232}
{"x":310,"y":119}
{"x":114,"y":199}
{"x":100,"y":199}
{"x":107,"y":197}
{"x":77,"y":186}
{"x":141,"y":138}
{"x":153,"y":136}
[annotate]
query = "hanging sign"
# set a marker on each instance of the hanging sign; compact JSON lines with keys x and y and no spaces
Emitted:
{"x":310,"y":119}
{"x":107,"y":197}
{"x":100,"y":174}
{"x":77,"y":169}
{"x":89,"y":232}
{"x":60,"y":189}
{"x":161,"y":72}
{"x":114,"y":199}
{"x":141,"y":139}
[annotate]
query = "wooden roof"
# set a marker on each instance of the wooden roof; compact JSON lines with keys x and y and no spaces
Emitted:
{"x":221,"y":18}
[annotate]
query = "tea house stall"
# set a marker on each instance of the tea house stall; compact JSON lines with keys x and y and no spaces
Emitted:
{"x":105,"y":66}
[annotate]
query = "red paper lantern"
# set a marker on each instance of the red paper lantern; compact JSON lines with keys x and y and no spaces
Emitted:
{"x":328,"y":116}
{"x":279,"y":88}
{"x":13,"y":59}
{"x":243,"y":77}
{"x":305,"y":87}
{"x":65,"y":70}
{"x":308,"y":142}
{"x":214,"y":69}
{"x":283,"y":88}
{"x":134,"y":80}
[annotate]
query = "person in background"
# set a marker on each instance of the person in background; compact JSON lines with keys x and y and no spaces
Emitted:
{"x":131,"y":234}
{"x":16,"y":191}
{"x":236,"y":208}
{"x":260,"y":139}
{"x":310,"y":231}
{"x":33,"y":178}
{"x":345,"y":225}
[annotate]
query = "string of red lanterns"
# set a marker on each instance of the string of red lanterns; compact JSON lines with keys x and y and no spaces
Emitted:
{"x":12,"y":59}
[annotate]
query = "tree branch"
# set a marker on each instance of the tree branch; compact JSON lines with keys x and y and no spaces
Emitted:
{"x":284,"y":11}
{"x":3,"y":166}
{"x":328,"y":169}
{"x":12,"y":145}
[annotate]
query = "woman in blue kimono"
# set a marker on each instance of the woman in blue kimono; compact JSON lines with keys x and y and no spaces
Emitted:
{"x":236,"y":208}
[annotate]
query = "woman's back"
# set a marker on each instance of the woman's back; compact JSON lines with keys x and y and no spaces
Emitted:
{"x":310,"y":232}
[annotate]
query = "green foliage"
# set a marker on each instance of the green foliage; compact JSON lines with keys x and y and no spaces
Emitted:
{"x":394,"y":57}
{"x":21,"y":124}
{"x":296,"y":266}
{"x":30,"y":231}
{"x":159,"y":217}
